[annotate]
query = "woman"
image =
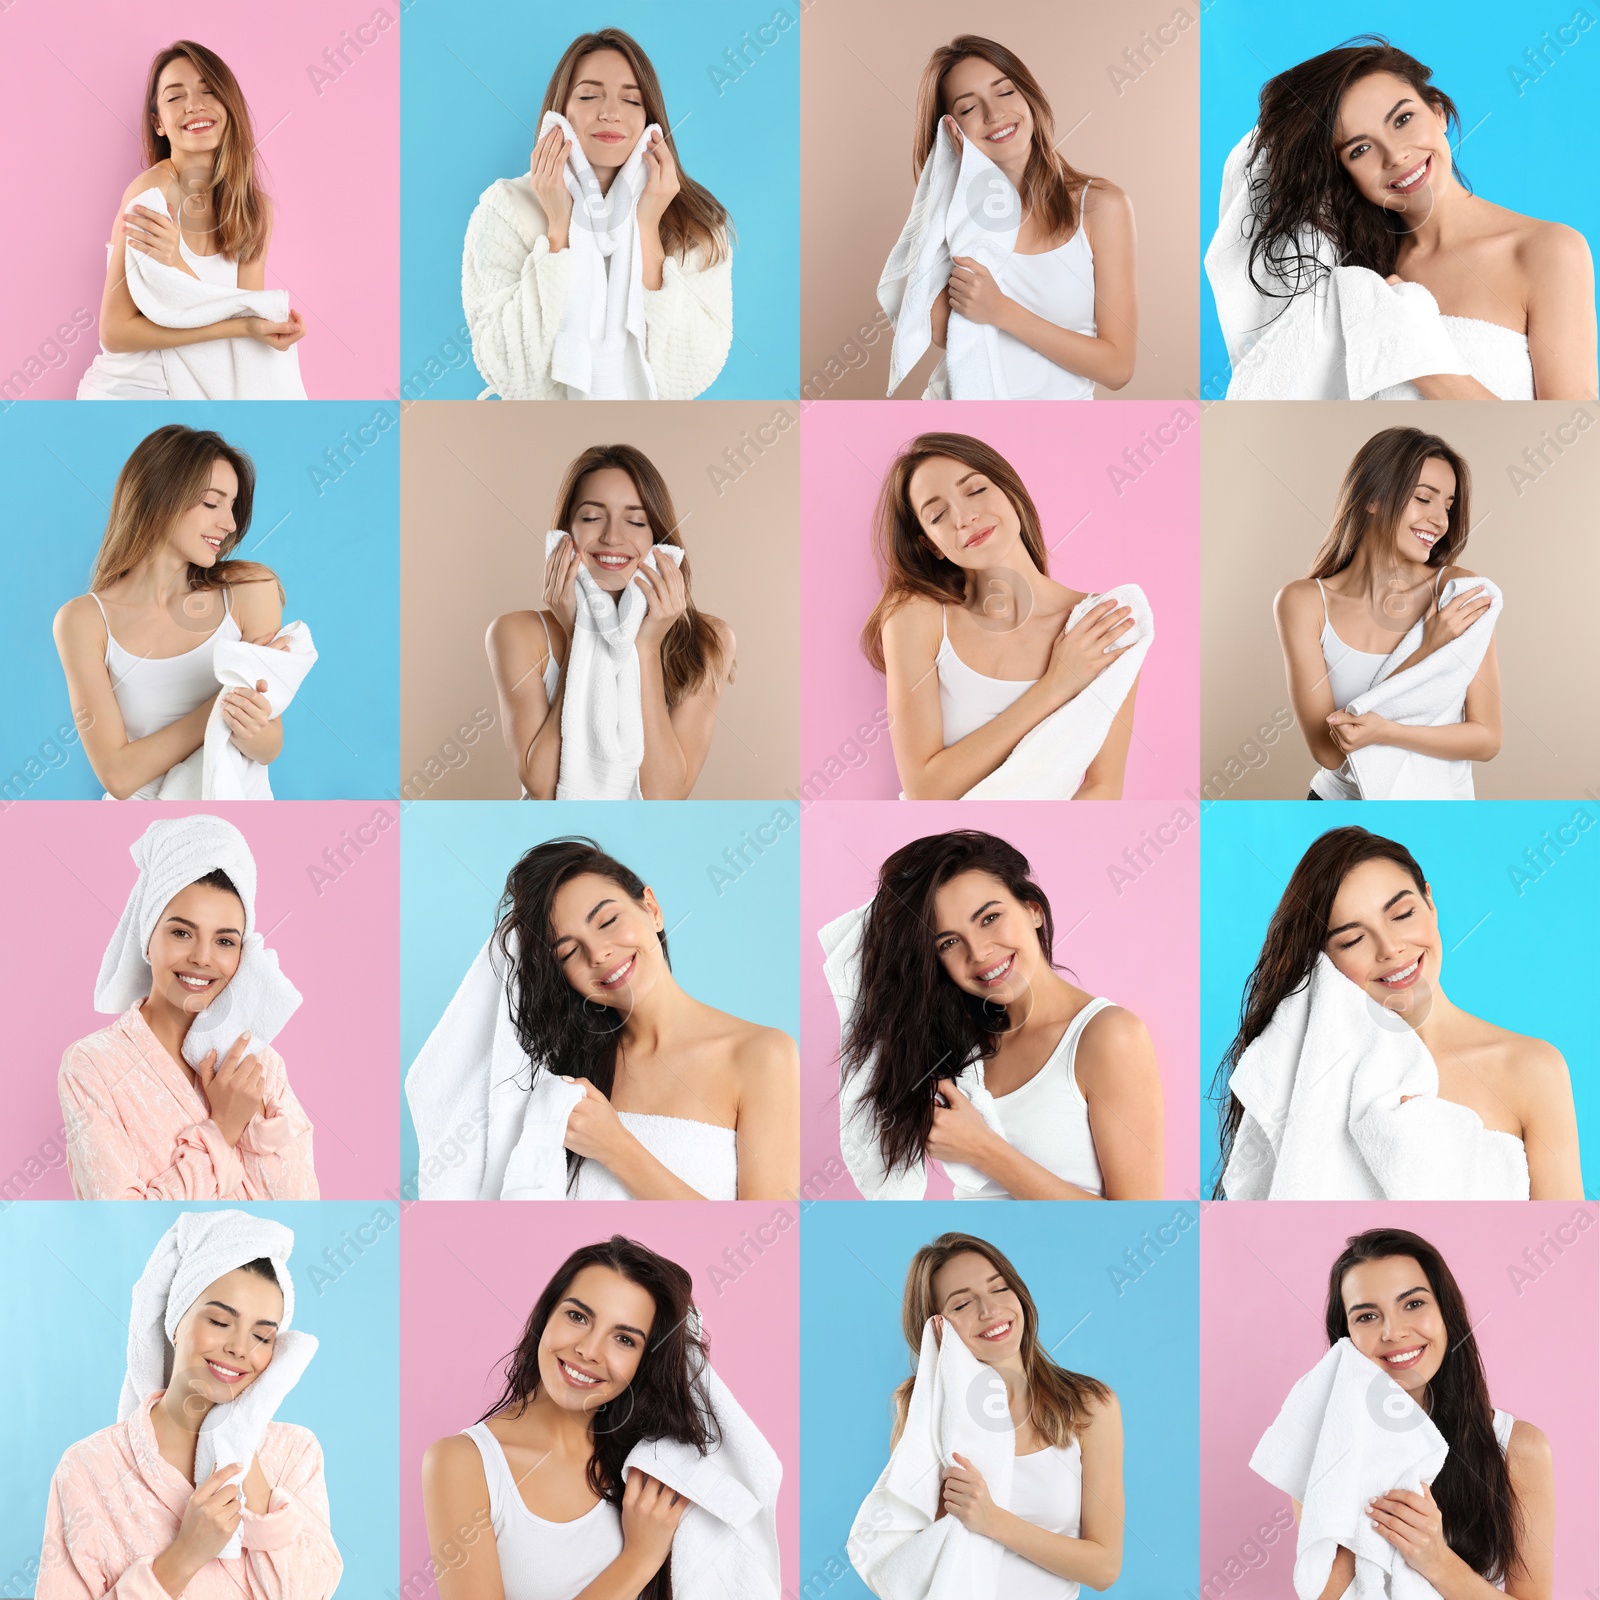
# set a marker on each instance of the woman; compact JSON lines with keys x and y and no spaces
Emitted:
{"x":672,"y":1099}
{"x":614,"y":509}
{"x":137,"y":648}
{"x":1361,"y":902}
{"x":1062,"y":1525}
{"x":1351,"y":166}
{"x":200,"y":151}
{"x":611,"y":1358}
{"x":129,"y":1514}
{"x":1486,"y":1524}
{"x":956,"y":966}
{"x":978,"y":642}
{"x":518,"y":272}
{"x":1400,"y":526}
{"x":1063,"y":303}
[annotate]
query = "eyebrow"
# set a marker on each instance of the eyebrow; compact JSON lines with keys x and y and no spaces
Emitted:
{"x":1356,"y":138}
{"x":991,"y":83}
{"x":1344,"y":927}
{"x":610,"y":900}
{"x":1372,"y":1305}
{"x":964,"y":1290}
{"x":196,"y":926}
{"x":260,"y":1321}
{"x":959,"y":481}
{"x":621,"y":1327}
{"x":595,"y":83}
{"x":630,"y":505}
{"x":973,"y":918}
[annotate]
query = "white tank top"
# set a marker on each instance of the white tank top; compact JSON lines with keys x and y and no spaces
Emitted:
{"x":1046,"y":1490}
{"x":1057,"y":285}
{"x":542,"y":1560}
{"x":152,"y":692}
{"x":1047,"y":1119}
{"x":968,"y":699}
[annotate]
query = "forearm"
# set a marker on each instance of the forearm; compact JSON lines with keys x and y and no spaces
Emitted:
{"x":1102,"y":360}
{"x":137,"y":762}
{"x":652,"y":255}
{"x":138,"y":332}
{"x":174,"y":1569}
{"x":664,"y":772}
{"x":540,"y":766}
{"x":1453,"y":386}
{"x":622,"y":1580}
{"x":265,"y":745}
{"x":642,"y":1175}
{"x":1021,"y":1176}
{"x":1459,"y":1582}
{"x":950,"y":773}
{"x":1082,"y":1560}
{"x":1456,"y":741}
{"x":1104,"y":790}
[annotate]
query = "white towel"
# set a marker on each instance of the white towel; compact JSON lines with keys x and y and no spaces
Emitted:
{"x":219,"y":769}
{"x":1050,"y":760}
{"x":171,"y":854}
{"x":1321,"y":1089}
{"x":216,"y":369}
{"x":963,"y":206}
{"x":1345,"y":339}
{"x":726,"y":1546}
{"x":1432,"y":694}
{"x":482,"y":1135}
{"x":199,"y":1248}
{"x":1347,"y":1434}
{"x":841,"y":965}
{"x":602,"y":718}
{"x":958,"y":1406}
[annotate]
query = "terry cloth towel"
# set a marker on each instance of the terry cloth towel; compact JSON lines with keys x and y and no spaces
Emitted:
{"x":482,"y":1134}
{"x":602,"y":720}
{"x":1348,"y":1433}
{"x":964,"y":206}
{"x":726,"y":1546}
{"x":1050,"y":760}
{"x":958,"y":1406}
{"x":170,"y":855}
{"x":219,"y":769}
{"x":841,"y":965}
{"x":1346,"y":338}
{"x":217,"y":369}
{"x":1432,"y":694}
{"x":1321,"y":1090}
{"x":193,"y":1253}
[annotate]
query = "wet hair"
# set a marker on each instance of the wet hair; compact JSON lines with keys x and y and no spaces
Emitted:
{"x":1478,"y":1505}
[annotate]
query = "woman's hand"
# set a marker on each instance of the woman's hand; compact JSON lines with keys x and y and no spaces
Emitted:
{"x":1079,"y":654}
{"x":661,"y":182}
{"x":209,"y":1520}
{"x":1356,"y":733}
{"x":974,"y":293}
{"x":154,"y":234}
{"x":1413,"y":1525}
{"x":280,"y":335}
{"x":561,"y":582}
{"x":959,"y":1132}
{"x":651,"y":1513}
{"x":235,"y":1089}
{"x":547,"y":172}
{"x":938,"y":1330}
{"x":271,"y":641}
{"x":593,"y":1128}
{"x":667,"y":597}
{"x":953,"y":129}
{"x":246,"y":712}
{"x":1452,"y":620}
{"x":966,"y":1497}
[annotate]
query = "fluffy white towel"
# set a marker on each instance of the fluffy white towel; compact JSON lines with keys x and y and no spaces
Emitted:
{"x":1432,"y":694}
{"x":1321,"y":1090}
{"x":481,"y":1134}
{"x":841,"y":965}
{"x":726,"y":1546}
{"x":199,"y":1248}
{"x":1347,"y":1434}
{"x":217,"y":369}
{"x":1347,"y":338}
{"x":964,"y":206}
{"x":219,"y":769}
{"x":1050,"y":760}
{"x":958,"y":1406}
{"x":602,"y":720}
{"x":171,"y":854}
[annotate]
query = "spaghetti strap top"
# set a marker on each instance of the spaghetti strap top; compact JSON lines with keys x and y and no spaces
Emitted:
{"x":968,"y":699}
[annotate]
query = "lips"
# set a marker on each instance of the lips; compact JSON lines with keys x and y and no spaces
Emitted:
{"x":979,"y":537}
{"x":1410,"y":182}
{"x":607,"y":138}
{"x":995,"y":1334}
{"x":1402,"y":977}
{"x":1427,"y":536}
{"x":229,"y":1375}
{"x":577,"y":1378}
{"x":991,"y":976}
{"x":610,"y":560}
{"x":204,"y":125}
{"x":1002,"y":135}
{"x":1401,"y":1360}
{"x":194,"y":982}
{"x":618,"y":975}
{"x":214,"y":542}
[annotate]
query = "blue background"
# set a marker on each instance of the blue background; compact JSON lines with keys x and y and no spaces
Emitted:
{"x":738,"y":950}
{"x":1520,"y":149}
{"x":1143,"y":1341}
{"x":472,"y":79}
{"x":337,"y":555}
{"x":1522,"y":961}
{"x":69,"y":1268}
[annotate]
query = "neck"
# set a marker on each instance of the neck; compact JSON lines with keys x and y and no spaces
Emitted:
{"x":169,"y":1025}
{"x":1432,"y":1020}
{"x":160,"y":579}
{"x":658,"y":1016}
{"x":568,"y":1431}
{"x":1041,"y":987}
{"x":605,"y":177}
{"x":1375,"y":570}
{"x":195,"y":173}
{"x":1445,"y":218}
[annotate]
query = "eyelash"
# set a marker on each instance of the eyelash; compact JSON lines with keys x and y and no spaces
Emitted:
{"x":982,"y":488}
{"x":1399,"y":122}
{"x":1359,"y":937}
{"x":1409,"y":1306}
{"x":574,"y":950}
{"x":215,"y":1324}
{"x":1004,"y":94}
{"x":183,"y":933}
{"x":988,"y":917}
{"x":627,"y":1340}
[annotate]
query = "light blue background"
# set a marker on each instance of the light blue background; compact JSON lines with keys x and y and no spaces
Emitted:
{"x":1525,"y":961}
{"x":472,"y":79}
{"x":336,"y":553}
{"x":1138,"y":1334}
{"x":738,"y":950}
{"x":69,"y":1269}
{"x":1521,"y":148}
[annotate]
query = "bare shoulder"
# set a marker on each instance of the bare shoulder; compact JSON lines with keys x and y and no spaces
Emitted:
{"x":454,"y":1462}
{"x":1451,"y":573}
{"x":1114,"y":1047}
{"x":1104,"y":1410}
{"x":915,"y":621}
{"x":727,"y":646}
{"x":79,"y":622}
{"x":1552,"y":247}
{"x":156,"y":177}
{"x":1108,"y":200}
{"x":1298,"y":597}
{"x":1528,"y":1454}
{"x":256,"y":599}
{"x":525,"y":635}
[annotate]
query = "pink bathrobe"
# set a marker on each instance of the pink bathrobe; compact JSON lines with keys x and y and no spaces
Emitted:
{"x":116,"y":1503}
{"x":139,"y":1129}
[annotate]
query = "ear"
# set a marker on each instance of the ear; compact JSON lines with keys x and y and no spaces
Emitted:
{"x":652,"y":905}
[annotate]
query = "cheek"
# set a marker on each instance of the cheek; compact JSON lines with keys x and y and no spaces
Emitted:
{"x":1350,"y":963}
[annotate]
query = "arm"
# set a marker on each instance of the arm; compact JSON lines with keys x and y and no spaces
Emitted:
{"x":959,"y":1133}
{"x":595,"y":1132}
{"x":455,"y":1504}
{"x":1118,"y":1076}
{"x":275,"y":1147}
{"x":1549,"y":1124}
{"x":1475,"y":738}
{"x":1343,"y":1573}
{"x":939,"y":317}
{"x":769,"y":1118}
{"x":289,"y":1550}
{"x":1103,"y":780}
{"x":252,"y":727}
{"x":1297,"y":610}
{"x":253,"y":274}
{"x":1561,"y":327}
{"x":676,"y":742}
{"x":518,"y":654}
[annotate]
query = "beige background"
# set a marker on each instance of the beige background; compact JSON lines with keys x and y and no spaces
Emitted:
{"x":1270,"y":475}
{"x":477,"y":489}
{"x":860,"y":67}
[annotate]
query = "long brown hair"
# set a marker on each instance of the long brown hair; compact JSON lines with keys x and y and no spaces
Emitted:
{"x":1050,"y":183}
{"x":695,"y":218}
{"x":1058,"y":1400}
{"x":907,"y":564}
{"x":1302,"y":183}
{"x":167,"y":474}
{"x":236,"y":196}
{"x":1384,"y":473}
{"x":691,"y":651}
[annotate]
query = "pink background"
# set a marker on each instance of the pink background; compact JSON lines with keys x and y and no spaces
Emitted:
{"x":1263,"y":1281}
{"x":70,"y":88}
{"x":1139,"y":947}
{"x":471,"y":1271}
{"x":1148,"y":534}
{"x":67,"y":872}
